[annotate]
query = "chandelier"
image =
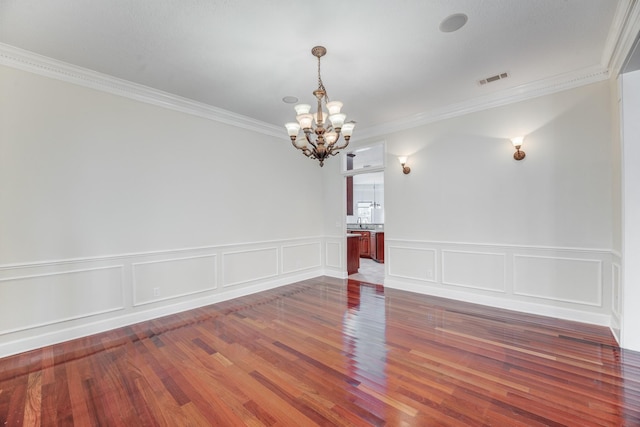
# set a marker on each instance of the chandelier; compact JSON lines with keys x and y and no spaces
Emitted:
{"x":320,"y":141}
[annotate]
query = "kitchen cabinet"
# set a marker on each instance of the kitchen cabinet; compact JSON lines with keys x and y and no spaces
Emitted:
{"x":353,"y":253}
{"x":377,"y":247}
{"x":365,"y":242}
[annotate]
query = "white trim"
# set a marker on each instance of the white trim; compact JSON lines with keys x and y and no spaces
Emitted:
{"x":622,"y":35}
{"x":134,"y":282}
{"x":326,"y":254}
{"x":599,"y":281}
{"x":504,"y":303}
{"x":506,"y":245}
{"x":372,"y":169}
{"x":144,"y":254}
{"x":48,"y":67}
{"x":79,"y":331}
{"x":509,"y":96}
{"x":615,"y":305}
{"x":504,"y":271}
{"x":268,"y":276}
{"x":316,"y":266}
{"x":389,"y":261}
{"x":55,"y":273}
{"x":38,"y":64}
{"x":70,"y":318}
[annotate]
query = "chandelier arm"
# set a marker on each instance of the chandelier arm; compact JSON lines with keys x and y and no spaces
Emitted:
{"x":293,"y":142}
{"x":313,"y":144}
{"x":341,"y":147}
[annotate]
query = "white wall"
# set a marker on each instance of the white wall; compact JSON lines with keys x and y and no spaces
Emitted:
{"x":113,"y":210}
{"x":470,"y":222}
{"x":630,"y":333}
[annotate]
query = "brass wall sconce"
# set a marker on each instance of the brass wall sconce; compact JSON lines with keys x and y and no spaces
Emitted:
{"x":517,"y":143}
{"x":403,"y":162}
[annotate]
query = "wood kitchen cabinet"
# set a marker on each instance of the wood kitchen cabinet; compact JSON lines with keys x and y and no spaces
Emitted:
{"x":377,"y":247}
{"x":353,"y":254}
{"x":365,"y":242}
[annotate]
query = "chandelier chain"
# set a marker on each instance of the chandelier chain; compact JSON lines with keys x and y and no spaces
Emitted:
{"x":320,"y":84}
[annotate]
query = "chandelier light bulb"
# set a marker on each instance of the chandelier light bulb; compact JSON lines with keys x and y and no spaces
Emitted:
{"x":305,"y":120}
{"x":302,"y":108}
{"x":347,"y":130}
{"x":292,"y":128}
{"x":334,"y":107}
{"x":337,"y":120}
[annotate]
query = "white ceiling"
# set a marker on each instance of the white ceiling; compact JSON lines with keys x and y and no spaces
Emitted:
{"x":387,"y":60}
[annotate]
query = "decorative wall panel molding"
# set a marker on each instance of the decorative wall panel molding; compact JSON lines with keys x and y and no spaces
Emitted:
{"x":478,"y":270}
{"x":172,"y":278}
{"x":301,"y":256}
{"x":573,"y":280}
{"x":616,"y":300}
{"x":553,"y":281}
{"x":46,"y":302}
{"x":38,"y":300}
{"x":412,"y":263}
{"x":333,"y":254}
{"x":246,"y":266}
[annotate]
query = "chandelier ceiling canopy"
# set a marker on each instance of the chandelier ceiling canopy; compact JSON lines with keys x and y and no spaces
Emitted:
{"x":322,"y":129}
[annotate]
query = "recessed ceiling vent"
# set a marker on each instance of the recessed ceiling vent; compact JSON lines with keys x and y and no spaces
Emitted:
{"x":493,"y":78}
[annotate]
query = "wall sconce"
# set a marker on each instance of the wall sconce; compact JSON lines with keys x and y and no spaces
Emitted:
{"x":403,"y":162}
{"x":517,"y":142}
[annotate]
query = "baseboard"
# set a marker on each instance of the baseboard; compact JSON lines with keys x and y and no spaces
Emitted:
{"x":497,"y":302}
{"x":66,"y":334}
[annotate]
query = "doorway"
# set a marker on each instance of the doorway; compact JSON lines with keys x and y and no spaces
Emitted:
{"x":364,"y":170}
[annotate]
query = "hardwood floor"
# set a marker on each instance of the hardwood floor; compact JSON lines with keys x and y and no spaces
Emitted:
{"x":330,"y":352}
{"x":369,"y":271}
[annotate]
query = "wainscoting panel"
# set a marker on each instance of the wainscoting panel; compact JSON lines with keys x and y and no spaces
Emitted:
{"x":30,"y":301}
{"x":171,"y":278}
{"x":616,"y":300}
{"x":251,"y":265}
{"x":579,"y":284}
{"x":301,"y":256}
{"x":47,"y":302}
{"x":571,"y":280}
{"x":412,"y":263}
{"x":478,"y":270}
{"x":334,"y":255}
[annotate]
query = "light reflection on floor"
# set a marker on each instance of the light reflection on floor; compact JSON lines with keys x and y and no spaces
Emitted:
{"x":370,"y":272}
{"x":363,"y":331}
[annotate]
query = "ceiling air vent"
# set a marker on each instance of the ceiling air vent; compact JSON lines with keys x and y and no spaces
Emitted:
{"x":493,"y":78}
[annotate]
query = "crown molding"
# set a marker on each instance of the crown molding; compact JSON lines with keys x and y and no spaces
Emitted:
{"x":31,"y":62}
{"x":622,"y":35}
{"x":48,"y":67}
{"x":508,"y":96}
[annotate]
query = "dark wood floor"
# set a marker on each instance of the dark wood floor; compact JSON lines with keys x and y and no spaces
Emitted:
{"x":329,"y":352}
